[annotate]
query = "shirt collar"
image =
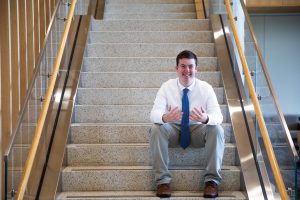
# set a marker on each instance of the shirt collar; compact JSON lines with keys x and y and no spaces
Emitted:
{"x":181,"y":87}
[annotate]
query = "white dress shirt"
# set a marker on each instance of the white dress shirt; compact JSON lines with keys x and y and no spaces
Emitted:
{"x":201,"y":94}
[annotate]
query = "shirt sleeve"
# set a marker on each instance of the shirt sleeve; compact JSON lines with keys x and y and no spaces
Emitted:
{"x":159,"y":107}
{"x":213,"y":109}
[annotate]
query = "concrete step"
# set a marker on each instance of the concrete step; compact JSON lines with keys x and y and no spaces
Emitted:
{"x":121,"y":96}
{"x":147,"y":195}
{"x":149,"y":8}
{"x":137,"y":64}
{"x":149,"y":1}
{"x":125,"y":16}
{"x":104,"y":133}
{"x":283,"y":154}
{"x":147,"y":49}
{"x":140,"y":178}
{"x":151,"y":25}
{"x":139,"y":154}
{"x":120,"y":113}
{"x":150,"y":37}
{"x":140,"y":80}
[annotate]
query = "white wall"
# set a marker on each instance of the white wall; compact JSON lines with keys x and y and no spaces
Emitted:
{"x":279,"y":40}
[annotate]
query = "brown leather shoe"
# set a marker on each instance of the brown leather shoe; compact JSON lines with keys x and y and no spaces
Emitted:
{"x":210,"y":190}
{"x":163,"y":190}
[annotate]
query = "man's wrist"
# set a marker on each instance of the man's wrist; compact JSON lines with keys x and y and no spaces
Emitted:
{"x":162,"y":118}
{"x":206,"y":120}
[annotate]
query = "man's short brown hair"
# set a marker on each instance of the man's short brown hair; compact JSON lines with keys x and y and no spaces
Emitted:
{"x":186,"y":54}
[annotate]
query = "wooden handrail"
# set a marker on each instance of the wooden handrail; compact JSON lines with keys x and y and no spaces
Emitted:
{"x":261,"y":122}
{"x":45,"y":107}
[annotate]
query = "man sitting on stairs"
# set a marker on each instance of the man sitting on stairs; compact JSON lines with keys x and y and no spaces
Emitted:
{"x":186,"y":112}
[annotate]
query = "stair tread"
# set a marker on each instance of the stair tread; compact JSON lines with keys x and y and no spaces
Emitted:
{"x":147,"y":194}
{"x":121,"y":124}
{"x":149,"y":44}
{"x":129,"y":105}
{"x":152,"y":20}
{"x":147,"y":32}
{"x":227,"y":145}
{"x":131,"y":88}
{"x":147,"y":168}
{"x":139,"y":57}
{"x":87,"y":73}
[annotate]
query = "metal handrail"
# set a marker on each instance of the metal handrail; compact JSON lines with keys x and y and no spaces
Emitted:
{"x":45,"y":107}
{"x":268,"y":80}
{"x":261,"y":122}
{"x":31,"y":85}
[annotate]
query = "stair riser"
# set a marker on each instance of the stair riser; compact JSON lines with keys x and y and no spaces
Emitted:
{"x":114,"y":134}
{"x":120,"y":114}
{"x":141,"y":180}
{"x":146,"y":195}
{"x":141,"y":96}
{"x":148,"y":1}
{"x":142,"y":64}
{"x":281,"y":153}
{"x":150,"y":25}
{"x":95,"y":155}
{"x":148,"y":50}
{"x":139,"y":80}
{"x":150,"y":16}
{"x":150,"y":37}
{"x":149,"y":8}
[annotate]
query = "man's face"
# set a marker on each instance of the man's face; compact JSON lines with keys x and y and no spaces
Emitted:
{"x":186,"y":70}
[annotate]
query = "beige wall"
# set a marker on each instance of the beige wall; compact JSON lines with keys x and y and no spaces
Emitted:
{"x":23,"y":28}
{"x":273,"y":6}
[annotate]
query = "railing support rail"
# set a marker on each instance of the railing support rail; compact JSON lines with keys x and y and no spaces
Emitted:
{"x":42,"y":117}
{"x":261,"y":122}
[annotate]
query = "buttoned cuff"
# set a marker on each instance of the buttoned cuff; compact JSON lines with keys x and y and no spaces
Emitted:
{"x":209,"y":120}
{"x":157,"y":118}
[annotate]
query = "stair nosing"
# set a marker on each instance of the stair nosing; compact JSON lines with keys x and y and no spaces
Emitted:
{"x":130,"y":167}
{"x":123,"y":124}
{"x":227,"y":145}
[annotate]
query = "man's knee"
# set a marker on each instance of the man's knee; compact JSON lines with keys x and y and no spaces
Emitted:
{"x":216,"y":131}
{"x":157,"y":130}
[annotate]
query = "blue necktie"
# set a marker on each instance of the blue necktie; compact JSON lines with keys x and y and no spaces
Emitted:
{"x":185,"y":131}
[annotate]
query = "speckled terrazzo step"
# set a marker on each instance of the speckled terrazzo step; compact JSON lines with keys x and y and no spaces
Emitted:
{"x":120,"y":113}
{"x":148,"y":49}
{"x":147,"y":195}
{"x":121,"y":96}
{"x":150,"y":37}
{"x":140,"y":178}
{"x":151,"y":25}
{"x":138,"y":154}
{"x":149,"y":8}
{"x":149,"y":1}
{"x":124,"y":16}
{"x":103,"y":133}
{"x":138,"y":79}
{"x":142,"y":64}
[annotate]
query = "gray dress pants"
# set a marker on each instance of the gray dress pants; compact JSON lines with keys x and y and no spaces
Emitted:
{"x":167,"y":135}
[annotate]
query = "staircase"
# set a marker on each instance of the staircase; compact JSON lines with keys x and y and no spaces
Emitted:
{"x":129,"y":55}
